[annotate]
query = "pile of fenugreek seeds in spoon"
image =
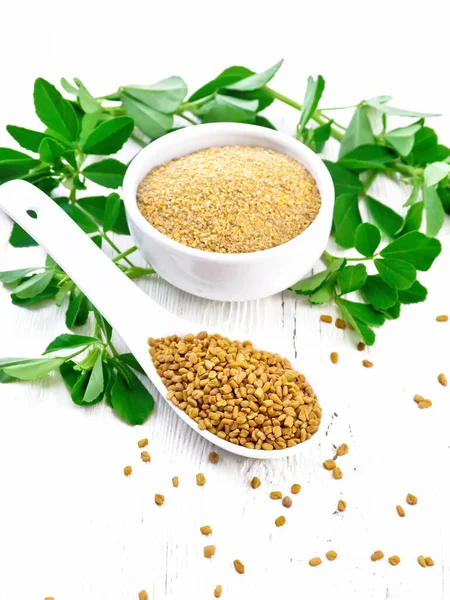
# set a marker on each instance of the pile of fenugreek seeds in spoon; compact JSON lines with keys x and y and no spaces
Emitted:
{"x":243,"y":395}
{"x":231,"y":199}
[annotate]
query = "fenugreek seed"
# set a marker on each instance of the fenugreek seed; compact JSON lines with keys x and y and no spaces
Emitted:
{"x":220,"y":396}
{"x":421,"y":561}
{"x":314,"y":562}
{"x":377,"y":555}
{"x":361,"y":346}
{"x":340,"y":323}
{"x":342,"y":449}
{"x":209,"y":551}
{"x":218,"y":591}
{"x":329,"y":465}
{"x":331,"y":555}
{"x":326,"y":318}
{"x":286,"y":502}
{"x":425,"y":404}
{"x":255,"y":483}
{"x":206,"y":530}
{"x":280,"y":521}
{"x":337,"y":473}
{"x":201,"y":479}
{"x":400,"y":510}
{"x":49,"y":598}
{"x":295,"y":488}
{"x":143,"y":595}
{"x":429,"y":561}
{"x":411,"y":499}
{"x":394,"y":560}
{"x":418,"y":398}
{"x":276,"y":495}
{"x":334,"y":357}
{"x":367,"y":364}
{"x":145,"y":456}
{"x":239,"y":567}
{"x":159,"y":499}
{"x":142,"y":443}
{"x":175,"y":482}
{"x":442,"y":379}
{"x":213,"y":458}
{"x":342,"y":505}
{"x":442,"y":318}
{"x":221,"y":199}
{"x":127,"y":471}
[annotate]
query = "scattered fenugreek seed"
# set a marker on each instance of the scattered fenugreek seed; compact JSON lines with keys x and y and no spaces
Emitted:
{"x":411,"y":499}
{"x":159,"y":499}
{"x":230,"y":199}
{"x":331,"y":555}
{"x":206,"y":530}
{"x":329,"y":465}
{"x":394,"y":560}
{"x":255,"y":483}
{"x":295,"y":488}
{"x":425,"y":404}
{"x":442,"y":379}
{"x":342,"y":505}
{"x":429,"y":561}
{"x":442,"y":318}
{"x":209,"y":551}
{"x":218,"y":591}
{"x":340,"y":323}
{"x":337,"y":473}
{"x":143,"y":595}
{"x":245,"y":396}
{"x":326,"y":318}
{"x":377,"y":555}
{"x":276,"y":495}
{"x":418,"y":398}
{"x":145,"y":456}
{"x":334,"y":357}
{"x":286,"y":502}
{"x":280,"y":521}
{"x":175,"y":481}
{"x":421,"y":561}
{"x":400,"y":510}
{"x":201,"y":479}
{"x":361,"y":346}
{"x":213,"y":458}
{"x":314,"y":562}
{"x":342,"y":449}
{"x":127,"y":471}
{"x":142,"y":443}
{"x":367,"y":363}
{"x":239,"y":567}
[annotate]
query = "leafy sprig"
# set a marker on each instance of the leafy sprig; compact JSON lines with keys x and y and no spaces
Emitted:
{"x":390,"y":246}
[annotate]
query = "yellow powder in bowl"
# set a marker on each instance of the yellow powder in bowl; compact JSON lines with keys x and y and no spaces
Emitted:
{"x":231,"y":199}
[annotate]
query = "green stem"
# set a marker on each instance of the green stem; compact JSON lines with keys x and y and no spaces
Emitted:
{"x":73,"y":195}
{"x":113,"y":349}
{"x":186,"y":118}
{"x":361,"y":258}
{"x":140,"y":273}
{"x":317,"y":116}
{"x":371,"y":176}
{"x":125,"y":253}
{"x":138,"y":140}
{"x":114,"y":247}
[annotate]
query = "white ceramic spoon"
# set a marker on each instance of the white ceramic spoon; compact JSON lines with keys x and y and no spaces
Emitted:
{"x":133,"y":315}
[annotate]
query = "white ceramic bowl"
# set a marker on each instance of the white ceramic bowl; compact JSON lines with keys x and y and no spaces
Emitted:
{"x":219,"y":276}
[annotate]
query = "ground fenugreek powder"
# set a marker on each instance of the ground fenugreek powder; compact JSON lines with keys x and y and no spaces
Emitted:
{"x":243,"y":395}
{"x":231,"y":199}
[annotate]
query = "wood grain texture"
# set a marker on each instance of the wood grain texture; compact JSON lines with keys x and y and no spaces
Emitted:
{"x":73,"y":527}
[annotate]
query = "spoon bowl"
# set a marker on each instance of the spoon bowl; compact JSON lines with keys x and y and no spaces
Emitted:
{"x":133,"y":315}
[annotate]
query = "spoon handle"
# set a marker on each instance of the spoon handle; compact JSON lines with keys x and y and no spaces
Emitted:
{"x":129,"y":310}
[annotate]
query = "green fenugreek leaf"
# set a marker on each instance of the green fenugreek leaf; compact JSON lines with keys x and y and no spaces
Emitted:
{"x":358,"y":133}
{"x":367,"y":239}
{"x":346,"y":219}
{"x":378,"y":293}
{"x":352,"y":278}
{"x":398,"y":274}
{"x":414,"y":247}
{"x":313,"y":94}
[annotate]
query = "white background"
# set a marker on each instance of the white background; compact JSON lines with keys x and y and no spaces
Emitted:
{"x":71,"y":525}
